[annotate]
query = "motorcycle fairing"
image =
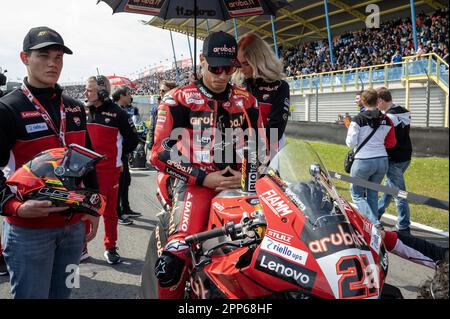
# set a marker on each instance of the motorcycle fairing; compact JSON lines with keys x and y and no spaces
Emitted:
{"x":350,"y":264}
{"x":229,"y":206}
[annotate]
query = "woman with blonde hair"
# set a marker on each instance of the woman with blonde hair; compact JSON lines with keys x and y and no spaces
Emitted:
{"x":261,"y":73}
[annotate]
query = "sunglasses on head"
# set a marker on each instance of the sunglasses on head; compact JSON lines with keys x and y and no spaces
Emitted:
{"x":217,"y":70}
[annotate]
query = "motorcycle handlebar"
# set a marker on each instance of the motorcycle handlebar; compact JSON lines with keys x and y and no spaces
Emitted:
{"x":229,"y":229}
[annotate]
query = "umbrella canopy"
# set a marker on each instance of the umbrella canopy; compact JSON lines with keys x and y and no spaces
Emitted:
{"x":206,"y":9}
{"x":120,"y":80}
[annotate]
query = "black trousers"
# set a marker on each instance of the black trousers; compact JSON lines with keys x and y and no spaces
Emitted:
{"x":123,"y":204}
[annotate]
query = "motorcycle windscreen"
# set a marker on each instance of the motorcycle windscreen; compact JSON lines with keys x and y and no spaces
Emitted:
{"x":302,"y":176}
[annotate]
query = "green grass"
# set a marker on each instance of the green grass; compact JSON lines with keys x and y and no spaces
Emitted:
{"x":427,"y":176}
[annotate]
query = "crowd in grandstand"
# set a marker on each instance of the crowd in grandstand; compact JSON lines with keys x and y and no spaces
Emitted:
{"x":366,"y":47}
{"x":75,"y":91}
{"x":371,"y":46}
{"x":149,"y":85}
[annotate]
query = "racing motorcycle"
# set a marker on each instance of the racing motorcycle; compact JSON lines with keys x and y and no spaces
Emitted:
{"x":138,"y":157}
{"x":295,"y":237}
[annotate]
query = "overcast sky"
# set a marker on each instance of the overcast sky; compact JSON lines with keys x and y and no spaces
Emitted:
{"x":116,"y":44}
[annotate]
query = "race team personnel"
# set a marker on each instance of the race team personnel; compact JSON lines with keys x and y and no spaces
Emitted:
{"x":39,"y":242}
{"x":112,"y":133}
{"x":197,"y":108}
{"x":164,"y":88}
{"x":122,"y":96}
{"x":261,"y":72}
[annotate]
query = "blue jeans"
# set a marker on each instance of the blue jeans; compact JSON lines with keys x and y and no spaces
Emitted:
{"x":395,"y":179}
{"x":372,"y":170}
{"x":37,"y":259}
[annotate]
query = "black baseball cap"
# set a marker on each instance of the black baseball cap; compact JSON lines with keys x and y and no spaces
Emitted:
{"x":41,"y":37}
{"x":220,"y":49}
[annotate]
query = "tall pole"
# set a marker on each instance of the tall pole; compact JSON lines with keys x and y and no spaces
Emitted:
{"x":195,"y":40}
{"x":317,"y":104}
{"x":174,"y":57}
{"x":207,"y":26}
{"x":274,"y":36}
{"x":330,"y":42}
{"x":413,"y":22}
{"x":235,"y":29}
{"x":190,"y":50}
{"x":428,"y":96}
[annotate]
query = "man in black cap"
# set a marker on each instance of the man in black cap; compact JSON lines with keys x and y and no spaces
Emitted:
{"x":204,"y":114}
{"x":41,"y":245}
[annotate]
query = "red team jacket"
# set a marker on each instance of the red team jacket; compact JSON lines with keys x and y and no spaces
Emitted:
{"x":196,"y":109}
{"x":24,"y":133}
{"x":112,"y":133}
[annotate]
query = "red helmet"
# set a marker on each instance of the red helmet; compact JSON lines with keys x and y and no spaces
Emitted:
{"x":56,"y":175}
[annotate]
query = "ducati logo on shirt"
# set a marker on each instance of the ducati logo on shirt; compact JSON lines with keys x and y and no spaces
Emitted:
{"x":94,"y":199}
{"x":265,"y":97}
{"x":107,"y":120}
{"x":77,"y":120}
{"x":240,"y":104}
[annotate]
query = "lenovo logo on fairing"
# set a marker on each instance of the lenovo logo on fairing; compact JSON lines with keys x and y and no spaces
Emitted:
{"x":282,"y":269}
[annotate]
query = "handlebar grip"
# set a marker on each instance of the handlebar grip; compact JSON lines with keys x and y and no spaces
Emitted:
{"x":228,"y":229}
{"x":216,"y":232}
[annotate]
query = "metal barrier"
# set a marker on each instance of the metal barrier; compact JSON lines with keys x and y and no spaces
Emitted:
{"x":426,"y":67}
{"x":410,"y":67}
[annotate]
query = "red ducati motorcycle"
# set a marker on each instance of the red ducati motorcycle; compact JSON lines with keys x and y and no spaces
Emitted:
{"x":294,"y":238}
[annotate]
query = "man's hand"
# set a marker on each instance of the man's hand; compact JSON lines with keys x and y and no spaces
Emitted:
{"x":230,"y":182}
{"x":192,"y":78}
{"x":38,"y":208}
{"x":93,"y":221}
{"x":219,"y":182}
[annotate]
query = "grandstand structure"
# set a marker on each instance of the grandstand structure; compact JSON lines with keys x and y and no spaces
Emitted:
{"x":418,"y":82}
{"x":304,"y":20}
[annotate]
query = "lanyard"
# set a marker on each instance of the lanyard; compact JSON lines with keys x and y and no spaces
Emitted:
{"x":62,"y":130}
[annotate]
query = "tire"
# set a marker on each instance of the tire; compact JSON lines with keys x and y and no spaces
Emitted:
{"x":158,"y":239}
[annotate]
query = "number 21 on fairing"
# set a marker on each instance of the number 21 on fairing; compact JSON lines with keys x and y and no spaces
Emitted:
{"x":355,"y":270}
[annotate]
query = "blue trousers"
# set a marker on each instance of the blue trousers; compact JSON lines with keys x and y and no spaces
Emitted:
{"x":395,"y":178}
{"x":40,"y":261}
{"x":372,"y":170}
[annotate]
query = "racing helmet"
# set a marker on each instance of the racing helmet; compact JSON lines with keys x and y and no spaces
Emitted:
{"x":57,"y":175}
